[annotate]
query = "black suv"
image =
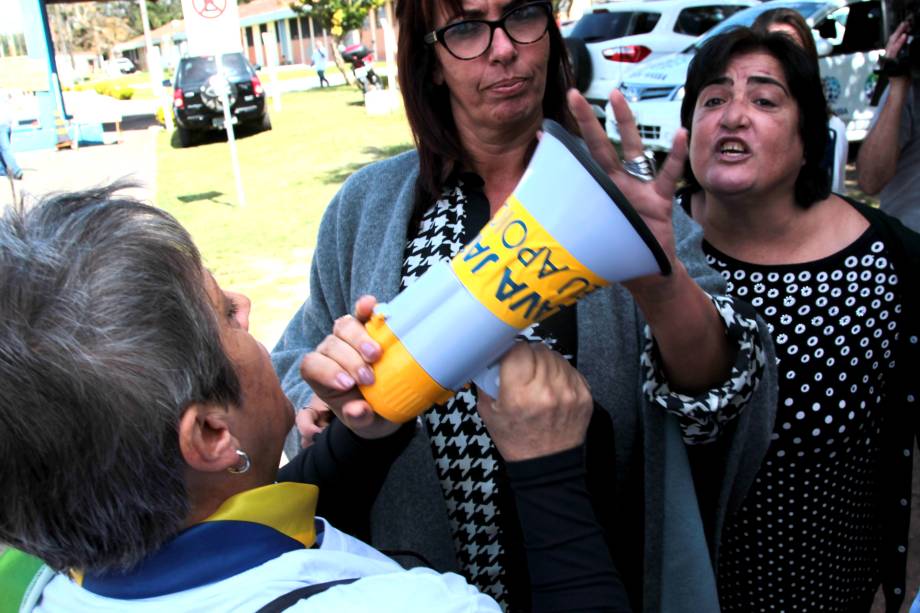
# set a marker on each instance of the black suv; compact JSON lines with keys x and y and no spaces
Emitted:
{"x":197,"y":106}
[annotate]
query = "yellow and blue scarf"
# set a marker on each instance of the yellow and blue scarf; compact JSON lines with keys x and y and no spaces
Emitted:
{"x":247,"y":530}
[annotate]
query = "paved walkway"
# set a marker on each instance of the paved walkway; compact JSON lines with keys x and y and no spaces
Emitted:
{"x":134,"y":158}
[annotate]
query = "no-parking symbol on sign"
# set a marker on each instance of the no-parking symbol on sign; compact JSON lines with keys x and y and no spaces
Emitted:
{"x":212,"y":26}
{"x":209,"y":9}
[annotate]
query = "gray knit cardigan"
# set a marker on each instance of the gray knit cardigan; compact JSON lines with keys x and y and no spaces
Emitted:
{"x":360,"y":250}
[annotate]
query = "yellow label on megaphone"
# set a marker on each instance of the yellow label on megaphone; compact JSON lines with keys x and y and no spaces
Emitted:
{"x":518,"y":271}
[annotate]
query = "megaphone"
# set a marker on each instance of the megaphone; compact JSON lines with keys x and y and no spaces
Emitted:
{"x":565,"y":231}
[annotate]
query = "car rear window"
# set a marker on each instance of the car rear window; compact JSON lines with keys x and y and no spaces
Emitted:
{"x":605,"y":25}
{"x":195,"y":69}
{"x":699,"y":19}
{"x":747,"y":17}
{"x":855,"y":28}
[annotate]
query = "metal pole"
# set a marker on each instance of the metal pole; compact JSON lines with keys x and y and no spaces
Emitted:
{"x":228,"y":125}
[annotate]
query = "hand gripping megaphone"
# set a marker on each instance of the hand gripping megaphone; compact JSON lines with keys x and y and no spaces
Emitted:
{"x":565,"y":231}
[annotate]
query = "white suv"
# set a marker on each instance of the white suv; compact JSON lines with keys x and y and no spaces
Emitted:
{"x":618,"y":36}
{"x":849,"y":36}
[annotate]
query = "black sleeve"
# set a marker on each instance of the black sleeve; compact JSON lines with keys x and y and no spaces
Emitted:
{"x":707,"y":463}
{"x":570,"y":565}
{"x":349,"y":472}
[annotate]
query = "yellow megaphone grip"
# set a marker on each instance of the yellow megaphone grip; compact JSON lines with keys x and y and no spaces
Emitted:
{"x":402,"y":389}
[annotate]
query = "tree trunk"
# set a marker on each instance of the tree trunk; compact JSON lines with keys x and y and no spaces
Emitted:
{"x":340,"y":63}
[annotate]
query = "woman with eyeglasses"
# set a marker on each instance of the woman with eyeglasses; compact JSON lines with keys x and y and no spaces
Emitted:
{"x":680,"y":424}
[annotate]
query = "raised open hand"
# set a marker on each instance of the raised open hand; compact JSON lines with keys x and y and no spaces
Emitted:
{"x":653,"y":200}
{"x":897,"y":40}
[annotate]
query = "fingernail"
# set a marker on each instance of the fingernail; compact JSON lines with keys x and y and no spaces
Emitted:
{"x":345,"y":382}
{"x":365,"y":375}
{"x":369,"y":350}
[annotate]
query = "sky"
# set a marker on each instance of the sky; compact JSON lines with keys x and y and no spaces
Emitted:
{"x":10,"y":17}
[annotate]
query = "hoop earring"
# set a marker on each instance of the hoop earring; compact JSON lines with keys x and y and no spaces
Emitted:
{"x":244,"y":460}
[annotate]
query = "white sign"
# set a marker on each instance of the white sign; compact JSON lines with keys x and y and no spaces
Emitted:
{"x":212,"y":26}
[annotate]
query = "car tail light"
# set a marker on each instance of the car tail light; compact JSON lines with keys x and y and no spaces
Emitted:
{"x":256,"y":86}
{"x":178,"y":98}
{"x":627,"y":53}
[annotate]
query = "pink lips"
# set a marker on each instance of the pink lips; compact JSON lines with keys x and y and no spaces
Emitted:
{"x":507,"y":87}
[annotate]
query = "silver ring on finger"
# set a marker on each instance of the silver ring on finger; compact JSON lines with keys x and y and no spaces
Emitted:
{"x":642,"y":167}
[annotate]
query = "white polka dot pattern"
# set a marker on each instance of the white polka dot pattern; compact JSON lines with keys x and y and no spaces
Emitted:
{"x":807,"y":537}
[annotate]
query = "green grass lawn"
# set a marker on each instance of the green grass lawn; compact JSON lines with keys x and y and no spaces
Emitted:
{"x":289,"y":175}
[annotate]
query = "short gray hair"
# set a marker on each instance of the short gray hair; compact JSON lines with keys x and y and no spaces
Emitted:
{"x":106,"y":336}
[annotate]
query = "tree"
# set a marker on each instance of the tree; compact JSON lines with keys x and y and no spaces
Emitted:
{"x":159,"y":13}
{"x":98,"y":26}
{"x":88,"y":27}
{"x":338,"y":17}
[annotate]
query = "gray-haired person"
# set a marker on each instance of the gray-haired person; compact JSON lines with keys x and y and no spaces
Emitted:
{"x":141,"y":427}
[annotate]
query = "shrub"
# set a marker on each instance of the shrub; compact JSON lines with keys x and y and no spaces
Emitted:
{"x":124,"y":93}
{"x":107,"y":88}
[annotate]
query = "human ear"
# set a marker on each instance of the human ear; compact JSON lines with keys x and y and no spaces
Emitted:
{"x":205,"y":440}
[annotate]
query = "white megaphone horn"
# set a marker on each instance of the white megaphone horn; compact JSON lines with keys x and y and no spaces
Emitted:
{"x":565,"y":231}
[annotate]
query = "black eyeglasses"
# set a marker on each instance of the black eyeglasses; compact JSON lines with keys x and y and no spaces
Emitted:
{"x":467,"y":40}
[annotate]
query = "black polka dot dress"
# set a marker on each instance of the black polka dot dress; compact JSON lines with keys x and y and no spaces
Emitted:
{"x":809,"y":534}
